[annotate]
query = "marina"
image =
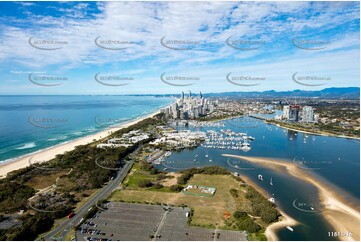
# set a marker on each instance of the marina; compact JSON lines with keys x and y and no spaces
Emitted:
{"x":180,"y":121}
{"x":274,"y":142}
{"x":227,"y":140}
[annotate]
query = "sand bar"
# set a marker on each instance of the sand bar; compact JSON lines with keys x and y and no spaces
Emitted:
{"x":284,"y":221}
{"x":338,"y":214}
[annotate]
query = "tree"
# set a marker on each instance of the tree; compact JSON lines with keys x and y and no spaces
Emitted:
{"x":176,"y":188}
{"x":145,"y":183}
{"x":157,"y":186}
{"x":239,"y":214}
{"x":234,"y":192}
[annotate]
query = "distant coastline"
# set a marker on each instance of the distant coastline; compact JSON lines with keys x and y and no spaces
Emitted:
{"x":331,"y":92}
{"x":50,"y":152}
{"x":70,"y":137}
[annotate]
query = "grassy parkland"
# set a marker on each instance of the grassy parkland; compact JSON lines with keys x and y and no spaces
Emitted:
{"x":234,"y":205}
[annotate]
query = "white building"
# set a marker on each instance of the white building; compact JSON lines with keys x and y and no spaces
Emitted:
{"x":286,"y":112}
{"x":189,"y":107}
{"x":307,"y":114}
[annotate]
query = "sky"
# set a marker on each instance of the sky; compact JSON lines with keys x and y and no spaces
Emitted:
{"x":57,"y":48}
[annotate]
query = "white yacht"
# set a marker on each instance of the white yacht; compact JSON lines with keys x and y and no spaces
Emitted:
{"x":289,"y":228}
{"x":251,"y":138}
{"x":246,"y":144}
{"x":260,"y":177}
{"x":245,"y":148}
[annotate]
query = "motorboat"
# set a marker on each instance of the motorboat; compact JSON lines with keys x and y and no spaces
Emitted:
{"x":251,"y":138}
{"x":289,"y":228}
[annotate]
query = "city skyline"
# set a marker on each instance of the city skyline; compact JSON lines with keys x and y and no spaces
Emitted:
{"x":179,"y":121}
{"x":189,"y":107}
{"x":218,"y":47}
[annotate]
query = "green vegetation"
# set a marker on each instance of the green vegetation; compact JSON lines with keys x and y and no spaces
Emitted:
{"x":86,"y":165}
{"x":82,"y":170}
{"x":145,"y":176}
{"x":208,"y":211}
{"x":149,"y":168}
{"x":242,"y":221}
{"x":233,"y":192}
{"x":212,"y":170}
{"x":231,"y":196}
{"x":14,"y":196}
{"x":33,"y":225}
{"x":47,"y":179}
{"x":145,"y":183}
{"x":142,"y":125}
{"x":251,"y":211}
{"x":2,"y":234}
{"x":319,"y":128}
{"x":176,"y":188}
{"x":259,"y":236}
{"x":262,"y":207}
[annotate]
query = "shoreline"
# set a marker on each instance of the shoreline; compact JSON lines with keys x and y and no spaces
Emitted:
{"x":338,"y":214}
{"x":50,"y":152}
{"x":313,"y":133}
{"x":293,"y":129}
{"x":284,"y":221}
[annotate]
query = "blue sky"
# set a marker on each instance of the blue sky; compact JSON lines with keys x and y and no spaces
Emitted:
{"x":274,"y":41}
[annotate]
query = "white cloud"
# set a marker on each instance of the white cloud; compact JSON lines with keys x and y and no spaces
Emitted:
{"x":214,"y":22}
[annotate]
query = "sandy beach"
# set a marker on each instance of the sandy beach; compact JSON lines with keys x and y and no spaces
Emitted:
{"x":340,"y":215}
{"x":50,"y":153}
{"x":284,"y":221}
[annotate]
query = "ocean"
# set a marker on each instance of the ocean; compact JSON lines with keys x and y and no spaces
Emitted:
{"x":33,"y":123}
{"x":334,"y":161}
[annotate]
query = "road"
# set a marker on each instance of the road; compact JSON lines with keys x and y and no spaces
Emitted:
{"x":65,"y":227}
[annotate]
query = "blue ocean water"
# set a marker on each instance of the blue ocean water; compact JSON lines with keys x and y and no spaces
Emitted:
{"x":32,"y":123}
{"x":333,"y":161}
